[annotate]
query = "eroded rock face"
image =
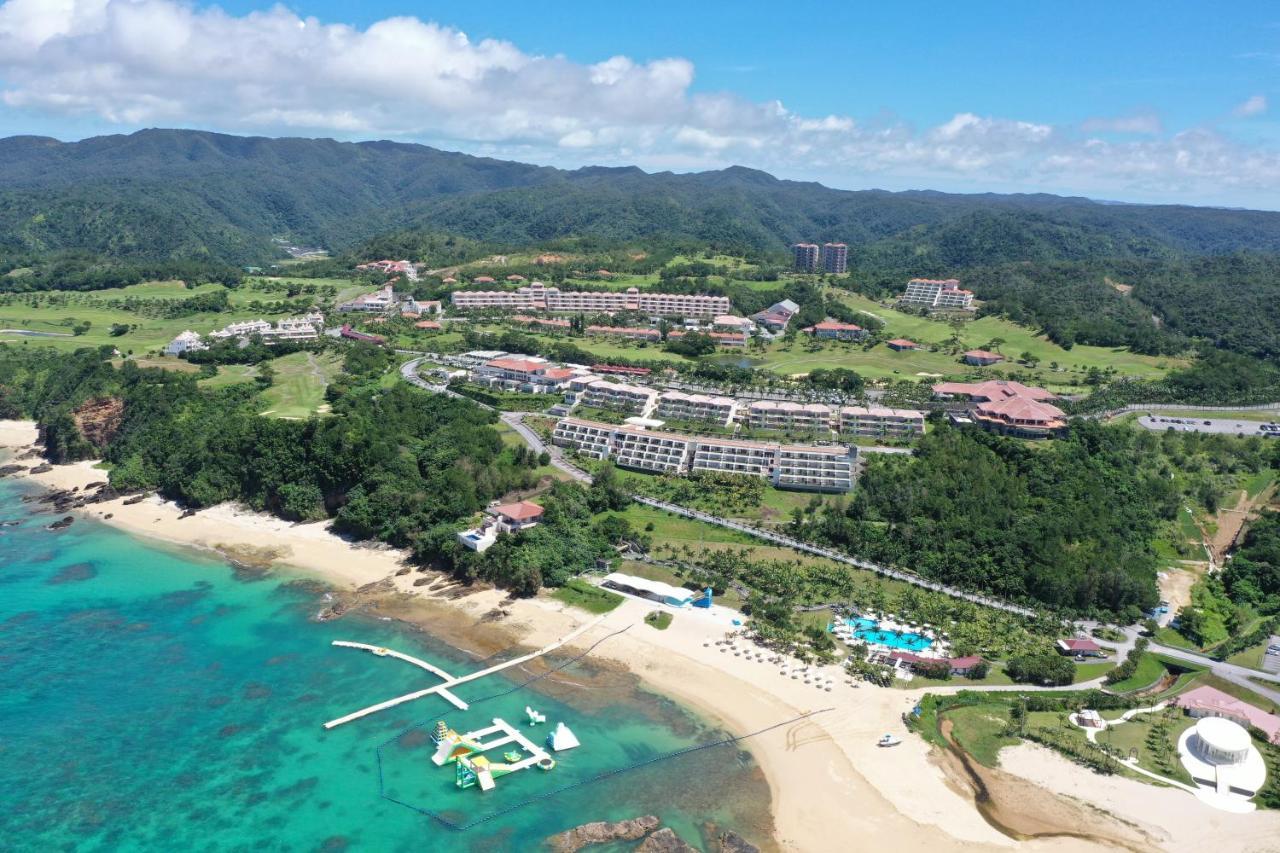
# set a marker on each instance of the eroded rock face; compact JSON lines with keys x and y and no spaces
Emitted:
{"x":99,"y":419}
{"x":601,"y":832}
{"x":732,"y":842}
{"x":665,"y":840}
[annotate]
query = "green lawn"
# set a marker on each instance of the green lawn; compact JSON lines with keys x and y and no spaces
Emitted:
{"x":300,"y":382}
{"x":1150,"y":670}
{"x":1017,"y":339}
{"x":1090,"y":671}
{"x":659,"y":619}
{"x":1250,"y":657}
{"x":230,"y":374}
{"x":979,"y":729}
{"x":578,"y":593}
{"x":1133,"y":737}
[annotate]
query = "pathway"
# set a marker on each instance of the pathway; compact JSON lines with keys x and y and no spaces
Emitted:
{"x":452,"y":682}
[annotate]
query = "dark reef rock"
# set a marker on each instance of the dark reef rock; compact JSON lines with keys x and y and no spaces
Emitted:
{"x":602,"y":832}
{"x":62,"y":523}
{"x":665,"y":840}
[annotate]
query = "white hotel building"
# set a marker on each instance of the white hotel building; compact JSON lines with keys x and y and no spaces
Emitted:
{"x":937,"y":293}
{"x":603,"y":394}
{"x":538,"y":297}
{"x":770,"y":414}
{"x":826,"y":469}
{"x":676,"y":406}
{"x":879,"y":422}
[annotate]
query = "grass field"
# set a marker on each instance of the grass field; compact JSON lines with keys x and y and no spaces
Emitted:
{"x":578,"y":593}
{"x":300,"y":381}
{"x":980,"y":730}
{"x":230,"y":374}
{"x":1150,"y":670}
{"x":1072,"y":364}
{"x":659,"y":619}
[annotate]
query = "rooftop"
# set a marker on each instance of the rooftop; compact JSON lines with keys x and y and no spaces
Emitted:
{"x":519,"y":511}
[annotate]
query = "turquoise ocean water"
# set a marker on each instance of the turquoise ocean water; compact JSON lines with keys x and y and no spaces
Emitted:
{"x":151,"y":699}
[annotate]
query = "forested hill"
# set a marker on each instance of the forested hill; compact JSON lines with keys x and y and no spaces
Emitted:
{"x":177,"y":194}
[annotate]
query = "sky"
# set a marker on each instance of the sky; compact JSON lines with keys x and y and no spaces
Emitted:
{"x":1171,"y":102}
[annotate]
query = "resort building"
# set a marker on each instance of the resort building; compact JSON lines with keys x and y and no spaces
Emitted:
{"x":1218,"y":754}
{"x":880,"y":422}
{"x":603,"y":394}
{"x":391,"y":268}
{"x":776,"y":317}
{"x":900,"y":344}
{"x":530,"y":374}
{"x":937,"y":293}
{"x":550,"y":323}
{"x":188,"y":341}
{"x":754,"y":458}
{"x":660,"y":452}
{"x":770,"y":414}
{"x":504,"y":518}
{"x":730,"y":323}
{"x":428,"y":326}
{"x":806,"y":257}
{"x":242,"y":330}
{"x":723,"y":339}
{"x":993,"y":390}
{"x":589,"y":438}
{"x":960,"y":667}
{"x":835,"y":258}
{"x":621,"y":369}
{"x":677,"y":406}
{"x":538,"y":297}
{"x":1206,"y":701}
{"x":1020,"y":417}
{"x":378,"y":302}
{"x":634,"y":333}
{"x":352,"y":335}
{"x":982,"y":358}
{"x":831,"y":330}
{"x":827,"y":469}
{"x":305,"y":328}
{"x":655,"y":591}
{"x":1079,"y":647}
{"x":816,"y":469}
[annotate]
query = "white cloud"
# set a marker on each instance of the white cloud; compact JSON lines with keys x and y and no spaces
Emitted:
{"x":1143,"y":122}
{"x":168,"y":62}
{"x":1254,"y":106}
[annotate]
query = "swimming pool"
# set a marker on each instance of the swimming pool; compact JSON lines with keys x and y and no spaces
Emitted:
{"x":869,"y":631}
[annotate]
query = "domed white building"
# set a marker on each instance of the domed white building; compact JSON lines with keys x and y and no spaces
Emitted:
{"x":1220,"y":755}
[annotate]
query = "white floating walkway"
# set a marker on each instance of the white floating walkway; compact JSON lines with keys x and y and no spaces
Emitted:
{"x":449,"y":681}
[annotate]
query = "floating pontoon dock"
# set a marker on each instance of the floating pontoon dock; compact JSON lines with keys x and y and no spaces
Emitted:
{"x":445,"y":689}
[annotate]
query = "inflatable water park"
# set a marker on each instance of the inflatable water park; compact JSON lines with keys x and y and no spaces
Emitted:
{"x":472,"y":768}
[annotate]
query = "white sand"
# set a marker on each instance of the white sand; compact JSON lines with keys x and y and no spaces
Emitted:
{"x":831,"y":785}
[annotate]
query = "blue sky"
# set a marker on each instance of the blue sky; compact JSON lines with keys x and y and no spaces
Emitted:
{"x":1173,"y":101}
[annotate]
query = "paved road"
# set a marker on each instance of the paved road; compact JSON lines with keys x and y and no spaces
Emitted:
{"x":1220,"y":426}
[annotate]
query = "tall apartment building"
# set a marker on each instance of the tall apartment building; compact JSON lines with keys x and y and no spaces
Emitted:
{"x":828,"y":469}
{"x":937,"y":293}
{"x":603,"y":394}
{"x":538,"y":297}
{"x":879,"y":422}
{"x":771,"y":414}
{"x":835,"y":258}
{"x":806,"y":257}
{"x":677,"y":406}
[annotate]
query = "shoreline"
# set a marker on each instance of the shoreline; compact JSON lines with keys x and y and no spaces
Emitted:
{"x":827,"y":779}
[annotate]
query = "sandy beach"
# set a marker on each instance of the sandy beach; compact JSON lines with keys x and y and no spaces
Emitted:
{"x":830,"y":784}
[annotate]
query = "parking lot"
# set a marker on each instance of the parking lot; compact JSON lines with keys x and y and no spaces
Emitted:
{"x":1226,"y":426}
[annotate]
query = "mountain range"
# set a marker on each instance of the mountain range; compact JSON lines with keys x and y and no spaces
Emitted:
{"x":185,"y":194}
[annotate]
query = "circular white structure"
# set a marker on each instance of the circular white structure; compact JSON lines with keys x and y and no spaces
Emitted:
{"x":1220,"y":741}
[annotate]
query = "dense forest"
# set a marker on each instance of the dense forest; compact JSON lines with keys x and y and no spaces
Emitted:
{"x":165,"y":194}
{"x":1069,"y":525}
{"x":387,"y":464}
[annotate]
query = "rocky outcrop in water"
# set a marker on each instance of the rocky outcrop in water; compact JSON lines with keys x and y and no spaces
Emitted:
{"x":732,"y":842}
{"x":602,"y":832}
{"x":665,"y":840}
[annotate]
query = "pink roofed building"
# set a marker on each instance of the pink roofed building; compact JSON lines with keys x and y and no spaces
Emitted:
{"x":982,"y":358}
{"x":1206,"y":701}
{"x":992,"y":390}
{"x":900,"y":344}
{"x":834,"y":330}
{"x":1080,"y":647}
{"x":1020,"y":417}
{"x":960,"y":666}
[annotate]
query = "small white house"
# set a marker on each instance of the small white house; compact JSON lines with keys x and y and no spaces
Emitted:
{"x":503,"y":518}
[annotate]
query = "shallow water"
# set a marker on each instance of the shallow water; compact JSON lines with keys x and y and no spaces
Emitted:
{"x":150,"y":700}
